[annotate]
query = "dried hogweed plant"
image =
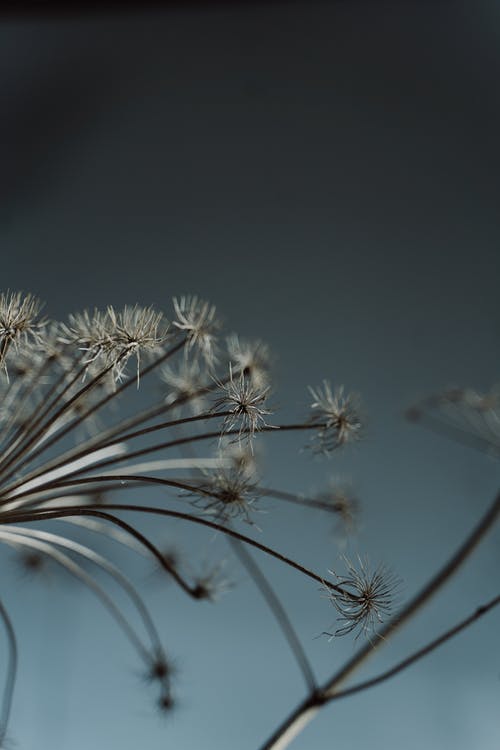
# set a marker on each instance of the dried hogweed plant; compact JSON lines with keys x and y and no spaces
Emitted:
{"x":69,"y":381}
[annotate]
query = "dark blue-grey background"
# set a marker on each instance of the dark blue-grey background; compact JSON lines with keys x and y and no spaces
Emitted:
{"x":328,"y":175}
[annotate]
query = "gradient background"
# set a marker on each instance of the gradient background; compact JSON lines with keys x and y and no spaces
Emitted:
{"x":328,"y":175}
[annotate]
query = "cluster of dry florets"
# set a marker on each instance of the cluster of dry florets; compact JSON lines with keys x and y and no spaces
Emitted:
{"x":195,"y":443}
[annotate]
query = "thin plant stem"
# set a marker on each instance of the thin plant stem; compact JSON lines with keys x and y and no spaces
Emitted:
{"x":11,"y":672}
{"x":277,"y":610}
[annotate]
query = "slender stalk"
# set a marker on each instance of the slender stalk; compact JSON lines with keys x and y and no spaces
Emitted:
{"x":278,"y":611}
{"x":11,"y":672}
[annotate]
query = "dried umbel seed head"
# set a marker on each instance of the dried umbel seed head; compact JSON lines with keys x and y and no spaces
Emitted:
{"x":116,"y":335}
{"x":366,"y":598}
{"x":210,"y":585}
{"x":160,"y":669}
{"x":337,"y":416}
{"x":243,"y":403}
{"x":339,"y":496}
{"x":197,"y":320}
{"x":227,"y":494}
{"x":19,"y":321}
{"x":463,"y":414}
{"x":250,"y":358}
{"x":89,"y":332}
{"x":186,"y":384}
{"x":242,"y":458}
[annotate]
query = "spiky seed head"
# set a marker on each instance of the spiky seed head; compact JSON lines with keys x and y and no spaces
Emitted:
{"x":227,"y":494}
{"x":113,"y":336}
{"x":19,"y":321}
{"x":337,"y":416}
{"x":366,"y":599}
{"x":87,"y":330}
{"x":243,"y":402}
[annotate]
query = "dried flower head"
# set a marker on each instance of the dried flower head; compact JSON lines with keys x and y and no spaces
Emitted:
{"x":337,"y":416}
{"x":115,"y":335}
{"x":251,"y":358}
{"x":339,"y":496}
{"x":242,"y":457}
{"x":465,"y":415}
{"x":186,"y":383}
{"x":197,"y":319}
{"x":211,"y":584}
{"x":88,"y":331}
{"x":243,"y":403}
{"x":160,"y":669}
{"x":19,"y":321}
{"x":366,"y":600}
{"x":227,"y":494}
{"x":135,"y":330}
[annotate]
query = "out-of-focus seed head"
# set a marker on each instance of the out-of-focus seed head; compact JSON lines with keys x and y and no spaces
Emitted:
{"x":241,"y":456}
{"x":463,"y":414}
{"x":340,"y":497}
{"x":186,"y":383}
{"x":198,"y":321}
{"x":19,"y":321}
{"x":337,"y":416}
{"x":211,"y":584}
{"x":251,"y":358}
{"x":160,"y":669}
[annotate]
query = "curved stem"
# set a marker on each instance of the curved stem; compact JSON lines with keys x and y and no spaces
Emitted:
{"x":96,"y":510}
{"x":278,"y":611}
{"x":11,"y":672}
